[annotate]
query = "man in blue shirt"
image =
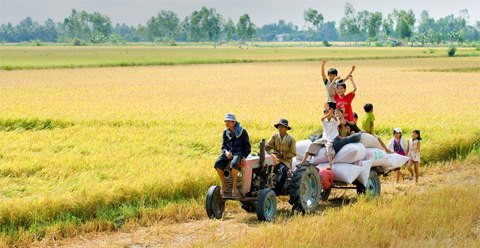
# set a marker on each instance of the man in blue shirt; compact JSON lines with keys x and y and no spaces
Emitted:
{"x":235,"y":147}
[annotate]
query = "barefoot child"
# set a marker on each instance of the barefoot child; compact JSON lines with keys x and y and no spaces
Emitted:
{"x":330,"y":123}
{"x":413,"y":152}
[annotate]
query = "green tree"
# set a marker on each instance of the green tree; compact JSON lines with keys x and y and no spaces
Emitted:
{"x":349,"y":25}
{"x":126,"y":33}
{"x":164,"y":26}
{"x":404,"y":30}
{"x":405,"y":22}
{"x":49,"y":31}
{"x":8,"y":33}
{"x":245,"y":28}
{"x":28,"y":30}
{"x":329,"y":32}
{"x":230,"y":30}
{"x":426,"y":22}
{"x":315,"y":18}
{"x":83,"y":25}
{"x":387,"y":26}
{"x":99,"y":24}
{"x":373,"y":23}
{"x":203,"y":25}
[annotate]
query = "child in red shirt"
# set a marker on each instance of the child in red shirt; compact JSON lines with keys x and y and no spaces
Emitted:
{"x":344,"y":102}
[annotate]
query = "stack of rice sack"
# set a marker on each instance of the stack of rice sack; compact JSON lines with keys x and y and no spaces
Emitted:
{"x":354,"y":160}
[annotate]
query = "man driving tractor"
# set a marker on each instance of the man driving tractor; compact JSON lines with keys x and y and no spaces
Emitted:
{"x":284,"y":150}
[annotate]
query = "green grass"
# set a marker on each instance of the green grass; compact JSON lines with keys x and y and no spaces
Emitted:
{"x":454,"y":69}
{"x":31,"y":124}
{"x":19,"y":57}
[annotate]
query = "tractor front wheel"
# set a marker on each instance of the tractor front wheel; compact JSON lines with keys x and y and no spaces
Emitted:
{"x":214,"y":204}
{"x":266,"y":205}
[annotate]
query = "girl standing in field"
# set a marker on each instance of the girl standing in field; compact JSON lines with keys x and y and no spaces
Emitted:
{"x":413,"y":152}
{"x":398,"y":146}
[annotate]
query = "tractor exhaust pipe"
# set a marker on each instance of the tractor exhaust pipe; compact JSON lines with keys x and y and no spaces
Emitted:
{"x":261,"y":154}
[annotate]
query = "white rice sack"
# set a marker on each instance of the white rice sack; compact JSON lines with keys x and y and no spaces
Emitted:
{"x":378,"y":156}
{"x":370,"y":141}
{"x":365,"y":173}
{"x":321,"y":157}
{"x":350,"y":153}
{"x":302,"y":148}
{"x":343,"y":172}
{"x":395,"y":161}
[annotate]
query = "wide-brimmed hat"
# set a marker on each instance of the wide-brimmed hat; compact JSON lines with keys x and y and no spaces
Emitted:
{"x":397,"y":130}
{"x":230,"y":117}
{"x":284,"y":123}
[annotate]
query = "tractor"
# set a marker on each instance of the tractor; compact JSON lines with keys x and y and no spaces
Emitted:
{"x":259,"y":176}
{"x":257,"y":180}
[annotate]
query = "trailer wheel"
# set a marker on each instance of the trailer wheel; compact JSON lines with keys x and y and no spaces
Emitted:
{"x":373,"y":186}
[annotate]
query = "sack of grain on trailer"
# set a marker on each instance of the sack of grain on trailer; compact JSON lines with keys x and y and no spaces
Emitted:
{"x":343,"y":172}
{"x":321,"y":157}
{"x":365,"y":172}
{"x":370,"y":141}
{"x":350,"y":153}
{"x":301,"y":148}
{"x":395,"y":161}
{"x":378,"y":156}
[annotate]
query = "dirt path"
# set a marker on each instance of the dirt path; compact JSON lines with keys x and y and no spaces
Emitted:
{"x":190,"y":233}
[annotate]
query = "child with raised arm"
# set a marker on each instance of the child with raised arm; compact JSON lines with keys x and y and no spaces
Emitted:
{"x":344,"y":101}
{"x":330,"y":123}
{"x":332,"y":78}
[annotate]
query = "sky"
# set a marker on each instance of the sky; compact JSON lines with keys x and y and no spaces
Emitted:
{"x":134,"y":12}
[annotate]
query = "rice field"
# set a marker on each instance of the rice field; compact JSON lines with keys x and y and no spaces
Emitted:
{"x":92,"y":148}
{"x":28,"y":57}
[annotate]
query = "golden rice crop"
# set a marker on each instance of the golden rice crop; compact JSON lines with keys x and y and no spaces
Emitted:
{"x":147,"y":136}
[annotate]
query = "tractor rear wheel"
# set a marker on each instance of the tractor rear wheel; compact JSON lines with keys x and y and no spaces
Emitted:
{"x":266,"y":205}
{"x":305,"y":188}
{"x":214,"y":204}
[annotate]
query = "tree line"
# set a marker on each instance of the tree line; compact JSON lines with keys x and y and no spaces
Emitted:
{"x":207,"y":25}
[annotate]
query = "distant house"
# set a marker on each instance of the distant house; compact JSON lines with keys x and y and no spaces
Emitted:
{"x":280,"y":37}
